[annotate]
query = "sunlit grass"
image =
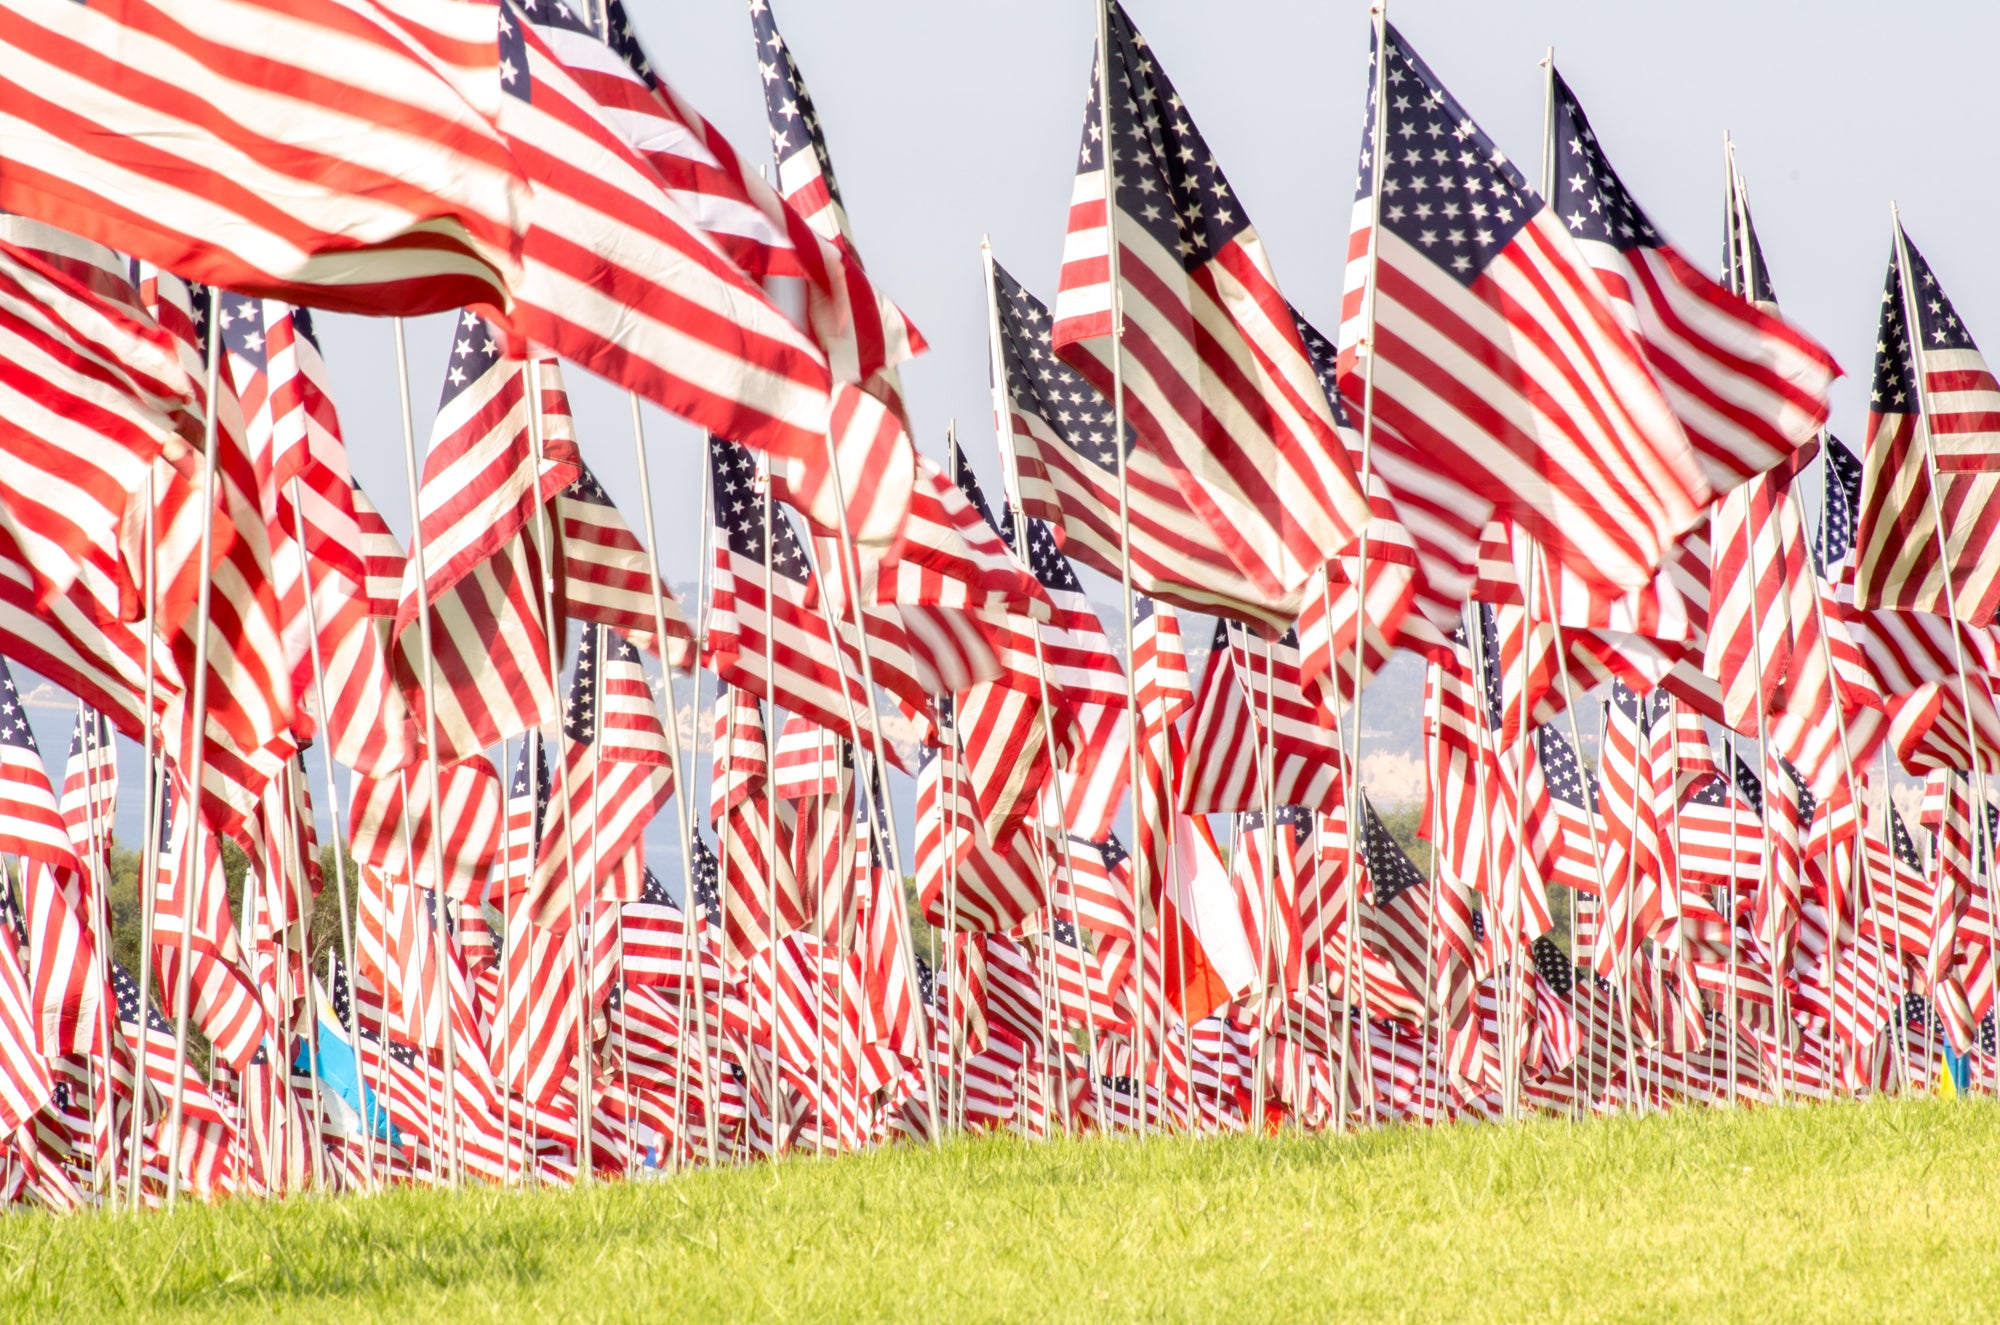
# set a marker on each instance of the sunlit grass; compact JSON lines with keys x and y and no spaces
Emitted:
{"x":1850,"y":1212}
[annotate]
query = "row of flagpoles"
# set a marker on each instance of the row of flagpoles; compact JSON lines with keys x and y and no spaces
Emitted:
{"x":1544,"y":451}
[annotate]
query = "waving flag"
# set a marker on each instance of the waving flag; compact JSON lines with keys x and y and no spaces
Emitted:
{"x":30,"y":822}
{"x":619,"y":777}
{"x":1748,"y":388}
{"x":652,"y":236}
{"x":392,"y":822}
{"x":92,"y":393}
{"x":768,"y":634}
{"x":1216,"y":379}
{"x":339,"y":153}
{"x":1066,"y":465}
{"x":964,"y":881}
{"x":1503,"y":379}
{"x":481,"y":486}
{"x":1935,"y":387}
{"x":605,"y":576}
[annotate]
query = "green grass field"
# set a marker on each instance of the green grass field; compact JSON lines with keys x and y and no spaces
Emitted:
{"x":1862,"y":1212}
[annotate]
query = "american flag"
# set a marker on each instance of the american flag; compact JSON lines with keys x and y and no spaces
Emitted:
{"x":1100,"y":885}
{"x":1572,"y":800}
{"x":1223,"y":773}
{"x":1216,"y":380}
{"x":1748,"y":388}
{"x":91,"y":394}
{"x":1935,"y":393}
{"x":1894,"y":652}
{"x":811,"y":760}
{"x":482,"y":482}
{"x":249,"y":683}
{"x":1002,"y":724}
{"x":66,"y":977}
{"x":964,"y":880}
{"x":807,"y":671}
{"x":657,"y":946}
{"x":30,"y":822}
{"x":877,"y":457}
{"x":1412,"y":581}
{"x":760,"y":893}
{"x":1082,"y":993}
{"x":742,"y":215}
{"x":619,"y":776}
{"x":1159,"y":663}
{"x":1066,"y":472}
{"x":742,"y":755}
{"x":1267,"y":891}
{"x":481,"y":486}
{"x":1637,"y":774}
{"x":727,"y":215}
{"x":1088,"y":679}
{"x":1721,"y":828}
{"x":1761,"y":630}
{"x":382,"y":556}
{"x":149,"y":1037}
{"x":192,"y":921}
{"x":316,"y":541}
{"x":1399,"y":923}
{"x":374,"y":127}
{"x":605,"y":576}
{"x":391,"y":824}
{"x":1497,"y":362}
{"x":25,"y":1082}
{"x":1898,"y":906}
{"x":805,"y":169}
{"x":619,"y":277}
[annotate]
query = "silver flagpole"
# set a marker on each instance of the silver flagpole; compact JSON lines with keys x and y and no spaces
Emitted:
{"x":776,"y":1101}
{"x":881,"y":819}
{"x":193,"y":774}
{"x":700,"y":631}
{"x":149,"y":854}
{"x":1782,"y":1029}
{"x":410,"y":475}
{"x":1140,"y":846}
{"x":546,"y":548}
{"x":332,"y":805}
{"x":997,"y":369}
{"x":1267,"y":778}
{"x":1982,"y":833}
{"x":1353,"y":753}
{"x":683,"y":767}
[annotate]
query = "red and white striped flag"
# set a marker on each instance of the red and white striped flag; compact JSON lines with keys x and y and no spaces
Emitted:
{"x":392,"y":823}
{"x":604,"y":575}
{"x":306,"y":497}
{"x":30,"y":822}
{"x":1066,"y":472}
{"x":1748,"y":387}
{"x":482,"y":485}
{"x":92,"y":393}
{"x":619,"y":777}
{"x":617,"y":276}
{"x":170,"y":129}
{"x":1503,"y":379}
{"x":1934,"y":384}
{"x":964,"y":880}
{"x":770,"y":636}
{"x":1217,"y":381}
{"x":192,"y":921}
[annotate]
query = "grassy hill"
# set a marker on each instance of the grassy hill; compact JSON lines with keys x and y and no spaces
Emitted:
{"x":1871,"y":1212}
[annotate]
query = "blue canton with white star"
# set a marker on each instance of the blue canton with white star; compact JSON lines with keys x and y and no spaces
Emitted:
{"x":1447,"y":189}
